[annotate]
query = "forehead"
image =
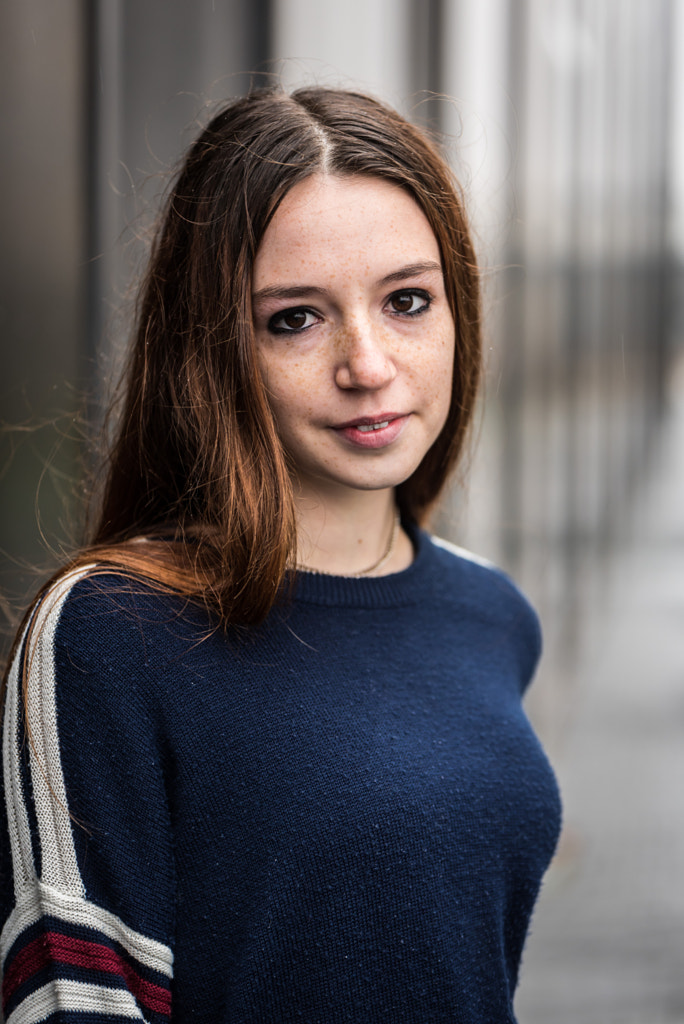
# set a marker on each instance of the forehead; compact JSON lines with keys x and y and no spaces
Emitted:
{"x":358,"y":223}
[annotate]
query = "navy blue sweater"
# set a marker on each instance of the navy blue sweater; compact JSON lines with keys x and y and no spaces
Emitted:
{"x":343,"y":816}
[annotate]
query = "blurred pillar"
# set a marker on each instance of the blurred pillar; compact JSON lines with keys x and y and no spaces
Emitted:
{"x":155,"y":69}
{"x":427,"y":52}
{"x":41,"y":230}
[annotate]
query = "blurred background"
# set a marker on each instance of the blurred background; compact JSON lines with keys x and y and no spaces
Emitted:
{"x":565,"y":121}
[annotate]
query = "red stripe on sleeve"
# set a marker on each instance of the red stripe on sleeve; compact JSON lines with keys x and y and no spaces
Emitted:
{"x":53,"y":947}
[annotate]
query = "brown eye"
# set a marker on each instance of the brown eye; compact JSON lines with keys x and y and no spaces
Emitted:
{"x":403,"y":302}
{"x":409,"y":303}
{"x":294,"y":320}
{"x":291,"y":321}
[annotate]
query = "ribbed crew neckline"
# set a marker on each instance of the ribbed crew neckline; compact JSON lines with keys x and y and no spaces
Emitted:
{"x":398,"y":588}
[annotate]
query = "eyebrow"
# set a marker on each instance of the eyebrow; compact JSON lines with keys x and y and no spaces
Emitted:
{"x":300,"y":291}
{"x":412,"y":270}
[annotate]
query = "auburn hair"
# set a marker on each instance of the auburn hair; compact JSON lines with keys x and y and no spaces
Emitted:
{"x":196,"y":466}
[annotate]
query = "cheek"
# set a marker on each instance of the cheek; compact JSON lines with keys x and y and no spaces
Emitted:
{"x":439,"y":374}
{"x":442,"y":387}
{"x":448,"y":376}
{"x":288,"y":388}
{"x":275,"y":373}
{"x":293,"y":378}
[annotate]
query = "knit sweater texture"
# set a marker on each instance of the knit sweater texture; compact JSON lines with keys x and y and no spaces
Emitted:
{"x":342,"y":817}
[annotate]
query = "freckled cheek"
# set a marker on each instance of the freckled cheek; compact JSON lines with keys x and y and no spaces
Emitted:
{"x":292,"y":390}
{"x":439,"y":378}
{"x":434,"y":365}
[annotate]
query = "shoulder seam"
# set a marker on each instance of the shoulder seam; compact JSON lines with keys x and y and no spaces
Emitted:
{"x":468,"y":556}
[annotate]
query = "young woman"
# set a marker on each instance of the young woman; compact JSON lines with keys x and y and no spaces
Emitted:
{"x":265,"y":756}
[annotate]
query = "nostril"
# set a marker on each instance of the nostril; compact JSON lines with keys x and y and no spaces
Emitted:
{"x":364,"y":373}
{"x":364,"y":363}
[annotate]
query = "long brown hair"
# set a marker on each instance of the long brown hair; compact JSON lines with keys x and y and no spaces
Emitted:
{"x":196,"y":466}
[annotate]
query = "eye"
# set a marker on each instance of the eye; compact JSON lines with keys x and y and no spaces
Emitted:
{"x":292,"y":321}
{"x":411,"y":302}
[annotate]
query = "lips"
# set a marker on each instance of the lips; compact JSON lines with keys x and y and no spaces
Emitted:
{"x":373,"y":431}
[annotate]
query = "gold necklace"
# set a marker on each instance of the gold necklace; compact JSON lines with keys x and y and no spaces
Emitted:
{"x":384,"y":558}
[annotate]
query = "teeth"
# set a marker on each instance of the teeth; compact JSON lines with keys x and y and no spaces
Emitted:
{"x":373,"y":426}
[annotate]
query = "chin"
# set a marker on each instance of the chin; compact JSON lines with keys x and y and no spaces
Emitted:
{"x":376,"y":481}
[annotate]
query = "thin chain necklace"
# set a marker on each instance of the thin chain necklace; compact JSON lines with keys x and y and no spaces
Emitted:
{"x":383,"y":560}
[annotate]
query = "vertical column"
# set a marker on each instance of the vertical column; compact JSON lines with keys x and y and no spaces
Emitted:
{"x":41,"y":327}
{"x":427,"y":47}
{"x":155,"y":71}
{"x":513,"y":364}
{"x":104,"y":173}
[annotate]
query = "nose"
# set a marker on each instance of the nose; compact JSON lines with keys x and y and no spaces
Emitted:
{"x":363,"y":360}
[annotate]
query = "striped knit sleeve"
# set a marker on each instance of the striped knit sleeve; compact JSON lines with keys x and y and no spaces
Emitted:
{"x":66,"y":955}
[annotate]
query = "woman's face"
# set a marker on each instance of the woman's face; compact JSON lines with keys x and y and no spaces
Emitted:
{"x":355,"y":337}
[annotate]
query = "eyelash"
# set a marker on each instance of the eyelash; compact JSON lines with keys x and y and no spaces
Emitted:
{"x":417,"y":293}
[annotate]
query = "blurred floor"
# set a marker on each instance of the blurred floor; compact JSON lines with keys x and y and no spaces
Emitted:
{"x":607,"y":944}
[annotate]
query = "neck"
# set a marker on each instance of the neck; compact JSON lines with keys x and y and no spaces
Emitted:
{"x":354,"y":535}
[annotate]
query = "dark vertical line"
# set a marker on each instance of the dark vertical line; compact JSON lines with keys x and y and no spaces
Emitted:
{"x":639,"y":328}
{"x":613,"y":324}
{"x":435,"y":35}
{"x":427,"y":61}
{"x":644,"y":257}
{"x":260,"y":13}
{"x":513,"y":350}
{"x":663,"y":297}
{"x":90,"y":134}
{"x":103,"y":20}
{"x":574,"y":358}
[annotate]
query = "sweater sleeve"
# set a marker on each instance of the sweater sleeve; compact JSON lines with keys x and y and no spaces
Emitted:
{"x":88,"y":902}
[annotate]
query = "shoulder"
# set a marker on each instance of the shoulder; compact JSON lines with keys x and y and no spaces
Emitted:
{"x":92,"y":619}
{"x":475,"y":578}
{"x":475,"y":587}
{"x":461,"y":554}
{"x":94,"y":667}
{"x":482,"y":576}
{"x":93,"y":597}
